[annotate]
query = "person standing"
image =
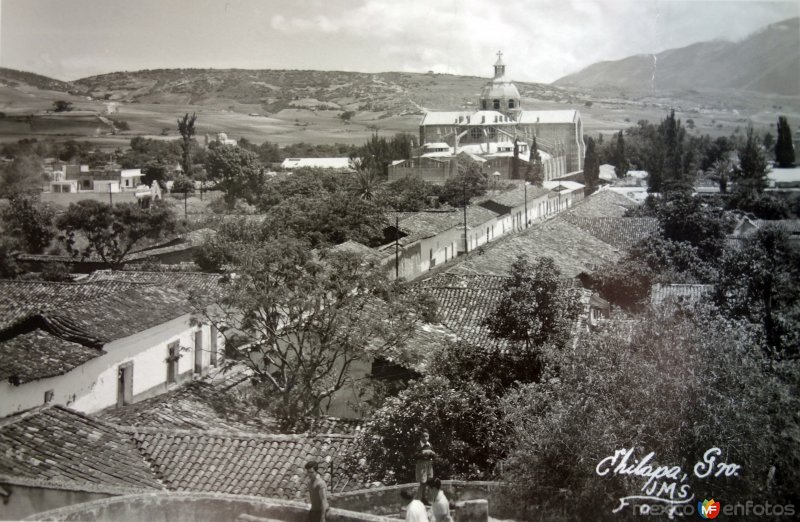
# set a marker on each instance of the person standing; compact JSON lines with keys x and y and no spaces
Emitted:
{"x":317,"y":490}
{"x":441,"y":506}
{"x":424,"y":463}
{"x":415,"y":512}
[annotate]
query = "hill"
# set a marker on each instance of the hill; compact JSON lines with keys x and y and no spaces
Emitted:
{"x":767,"y":61}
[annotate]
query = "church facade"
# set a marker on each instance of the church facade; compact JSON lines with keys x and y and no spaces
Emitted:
{"x":489,"y":136}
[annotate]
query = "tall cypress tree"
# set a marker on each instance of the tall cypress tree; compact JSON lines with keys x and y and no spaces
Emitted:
{"x":591,"y":167}
{"x":620,"y":160}
{"x":784,"y":149}
{"x":751,"y":176}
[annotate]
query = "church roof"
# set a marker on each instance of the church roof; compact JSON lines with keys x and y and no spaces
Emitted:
{"x":562,"y":116}
{"x":468,"y":118}
{"x":500,"y":88}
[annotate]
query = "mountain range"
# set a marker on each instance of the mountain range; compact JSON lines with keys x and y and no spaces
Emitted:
{"x":767,"y":61}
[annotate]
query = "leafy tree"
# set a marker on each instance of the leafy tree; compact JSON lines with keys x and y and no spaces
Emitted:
{"x":299,"y":319}
{"x":30,"y":222}
{"x":62,"y":106}
{"x":470,"y":182}
{"x":665,"y":157}
{"x":535,"y":170}
{"x":751,"y":176}
{"x":620,"y":160}
{"x":236,"y":172}
{"x":24,"y":175}
{"x":466,"y":428}
{"x":721,"y":171}
{"x":537,"y":306}
{"x":364,"y":182}
{"x":187,"y":131}
{"x":329,"y":219}
{"x":410,"y":194}
{"x":758,"y":282}
{"x":690,"y":219}
{"x":8,"y":263}
{"x":651,"y":388}
{"x":591,"y":168}
{"x":183,"y":185}
{"x":784,"y":148}
{"x":626,"y":283}
{"x":112,"y":232}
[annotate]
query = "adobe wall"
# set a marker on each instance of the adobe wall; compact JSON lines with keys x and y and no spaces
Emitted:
{"x":63,"y":199}
{"x":24,"y":501}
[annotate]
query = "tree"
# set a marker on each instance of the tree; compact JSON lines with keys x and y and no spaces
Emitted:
{"x":8,"y":263}
{"x":721,"y":171}
{"x":591,"y":168}
{"x":665,"y":157}
{"x":187,"y":131}
{"x":651,"y":387}
{"x":299,"y":319}
{"x":62,"y":106}
{"x":24,"y":175}
{"x":784,"y":148}
{"x":470,"y":182}
{"x":236,"y":172}
{"x":30,"y":222}
{"x":751,"y":175}
{"x":689,"y":219}
{"x":112,"y":232}
{"x":620,"y":160}
{"x":515,"y":161}
{"x":537,"y":306}
{"x":758,"y":282}
{"x":466,"y":428}
{"x":535,"y":171}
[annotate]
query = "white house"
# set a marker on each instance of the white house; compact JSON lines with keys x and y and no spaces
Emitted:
{"x":115,"y":346}
{"x":317,"y":163}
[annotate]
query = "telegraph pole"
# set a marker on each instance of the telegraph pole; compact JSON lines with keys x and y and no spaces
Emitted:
{"x":466,"y":245}
{"x":396,"y":246}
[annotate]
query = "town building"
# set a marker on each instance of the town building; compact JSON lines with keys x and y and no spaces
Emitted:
{"x":102,"y":343}
{"x":495,"y":135}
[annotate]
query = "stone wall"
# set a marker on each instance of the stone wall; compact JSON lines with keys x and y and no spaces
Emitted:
{"x":197,"y":507}
{"x":386,"y":501}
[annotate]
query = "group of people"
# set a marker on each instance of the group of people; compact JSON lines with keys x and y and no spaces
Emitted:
{"x":429,"y":492}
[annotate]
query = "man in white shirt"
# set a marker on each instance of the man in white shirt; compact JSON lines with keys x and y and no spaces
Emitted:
{"x":441,"y":506}
{"x":415,"y":512}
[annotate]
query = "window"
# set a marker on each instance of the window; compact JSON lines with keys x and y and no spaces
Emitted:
{"x":125,"y":384}
{"x":484,"y":104}
{"x":496,"y":104}
{"x":48,"y":396}
{"x":476,"y":133}
{"x":172,"y":362}
{"x":490,"y":132}
{"x":511,"y":104}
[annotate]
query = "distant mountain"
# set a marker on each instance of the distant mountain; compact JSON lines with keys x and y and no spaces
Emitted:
{"x":15,"y":78}
{"x":767,"y":61}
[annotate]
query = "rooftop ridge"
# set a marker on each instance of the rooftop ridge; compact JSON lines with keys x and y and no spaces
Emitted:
{"x":71,"y":485}
{"x":235,"y":434}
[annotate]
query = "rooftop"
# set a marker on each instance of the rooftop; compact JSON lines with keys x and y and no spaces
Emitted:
{"x":573,"y":250}
{"x":679,"y":294}
{"x":38,"y":354}
{"x":620,"y":232}
{"x":57,"y":447}
{"x":243,"y":463}
{"x":516,"y":197}
{"x":604,"y":203}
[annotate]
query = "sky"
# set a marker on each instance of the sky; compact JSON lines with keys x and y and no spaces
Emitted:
{"x":541,"y":40}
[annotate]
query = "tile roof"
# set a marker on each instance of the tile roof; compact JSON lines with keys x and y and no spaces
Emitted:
{"x":125,"y":313}
{"x":516,"y":197}
{"x":19,"y":299}
{"x":660,"y":294}
{"x":185,"y":281}
{"x":55,"y":446}
{"x":244,"y":463}
{"x":429,"y":223}
{"x":620,"y":232}
{"x":464,"y":301}
{"x":38,"y":354}
{"x":556,"y":116}
{"x":573,"y":250}
{"x":603,"y":203}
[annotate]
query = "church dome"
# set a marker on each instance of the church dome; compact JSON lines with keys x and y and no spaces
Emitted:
{"x":500,"y":94}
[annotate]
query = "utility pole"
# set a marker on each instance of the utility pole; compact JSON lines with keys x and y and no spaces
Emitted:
{"x":110,"y":200}
{"x":526,"y":204}
{"x":185,"y":211}
{"x":466,"y":245}
{"x":396,"y":246}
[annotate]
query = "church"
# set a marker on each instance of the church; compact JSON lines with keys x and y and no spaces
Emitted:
{"x":488,"y":136}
